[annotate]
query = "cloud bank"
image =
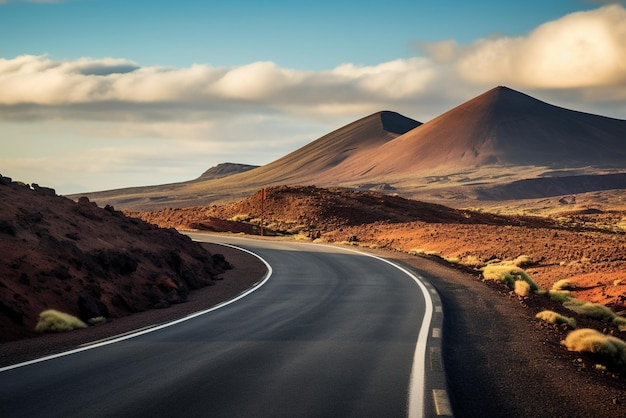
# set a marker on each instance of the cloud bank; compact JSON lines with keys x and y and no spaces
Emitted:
{"x":580,"y":51}
{"x":202,"y":114}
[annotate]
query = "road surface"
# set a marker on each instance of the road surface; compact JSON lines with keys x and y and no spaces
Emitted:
{"x":331,"y":333}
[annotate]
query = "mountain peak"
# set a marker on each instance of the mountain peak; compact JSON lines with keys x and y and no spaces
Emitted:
{"x":396,"y":123}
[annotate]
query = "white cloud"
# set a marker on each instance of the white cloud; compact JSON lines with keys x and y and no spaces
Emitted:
{"x":580,"y":50}
{"x":118,"y":119}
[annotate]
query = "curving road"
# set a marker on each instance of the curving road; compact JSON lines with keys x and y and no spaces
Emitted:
{"x":331,"y":333}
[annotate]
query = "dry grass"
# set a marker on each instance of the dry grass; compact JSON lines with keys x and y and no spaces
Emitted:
{"x":589,"y":340}
{"x":508,"y":272}
{"x":563,"y":284}
{"x":54,"y":321}
{"x":556,"y":318}
{"x":522,"y":288}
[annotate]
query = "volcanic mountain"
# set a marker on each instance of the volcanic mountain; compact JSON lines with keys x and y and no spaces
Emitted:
{"x":496,"y":138}
{"x":303,"y":166}
{"x":506,"y":128}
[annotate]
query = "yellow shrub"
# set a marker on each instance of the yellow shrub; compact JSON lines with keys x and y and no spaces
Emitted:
{"x":508,"y":273}
{"x":590,"y":340}
{"x":563,"y":284}
{"x":522,"y":288}
{"x":556,"y":318}
{"x":55,"y":321}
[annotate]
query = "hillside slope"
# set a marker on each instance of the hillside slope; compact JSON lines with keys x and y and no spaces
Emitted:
{"x":506,"y":128}
{"x":56,"y":252}
{"x":303,"y":166}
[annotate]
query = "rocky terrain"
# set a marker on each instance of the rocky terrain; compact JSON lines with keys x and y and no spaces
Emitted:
{"x":88,"y":261}
{"x":588,"y":247}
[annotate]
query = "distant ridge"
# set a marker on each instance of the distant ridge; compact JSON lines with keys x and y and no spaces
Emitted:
{"x":224,"y":170}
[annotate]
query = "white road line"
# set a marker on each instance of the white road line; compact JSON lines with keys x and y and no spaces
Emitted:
{"x":147,"y":330}
{"x":417,"y":379}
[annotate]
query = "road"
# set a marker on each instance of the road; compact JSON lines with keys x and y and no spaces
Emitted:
{"x":331,"y":333}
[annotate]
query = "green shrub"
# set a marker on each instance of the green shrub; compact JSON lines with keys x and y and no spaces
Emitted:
{"x":561,"y":296}
{"x":590,"y":340}
{"x":620,"y":321}
{"x":589,"y":309}
{"x":556,"y":318}
{"x":563,"y":284}
{"x":54,"y":321}
{"x":97,"y":320}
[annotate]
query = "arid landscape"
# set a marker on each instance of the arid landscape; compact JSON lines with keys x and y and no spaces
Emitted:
{"x":504,"y":188}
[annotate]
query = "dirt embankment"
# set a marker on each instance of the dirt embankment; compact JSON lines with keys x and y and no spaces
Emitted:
{"x":88,"y":261}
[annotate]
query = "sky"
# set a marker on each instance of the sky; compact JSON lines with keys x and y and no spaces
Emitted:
{"x":105,"y":94}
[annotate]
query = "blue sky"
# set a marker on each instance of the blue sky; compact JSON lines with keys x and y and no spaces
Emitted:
{"x":101,"y":94}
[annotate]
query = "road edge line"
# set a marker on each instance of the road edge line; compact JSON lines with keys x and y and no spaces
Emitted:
{"x":146,"y":330}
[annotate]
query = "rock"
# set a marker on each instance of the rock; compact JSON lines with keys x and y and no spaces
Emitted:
{"x":46,"y":191}
{"x":91,"y":307}
{"x":220,"y":262}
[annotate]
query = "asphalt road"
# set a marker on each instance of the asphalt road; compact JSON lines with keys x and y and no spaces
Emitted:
{"x":331,"y":334}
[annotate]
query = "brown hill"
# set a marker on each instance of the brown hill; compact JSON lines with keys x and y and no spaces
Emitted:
{"x":303,"y":166}
{"x":309,"y":164}
{"x":506,"y":128}
{"x":496,"y":138}
{"x":297,"y":209}
{"x":88,"y":261}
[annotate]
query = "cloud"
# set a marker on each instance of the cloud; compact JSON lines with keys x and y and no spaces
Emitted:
{"x":581,"y":50}
{"x":111,"y":122}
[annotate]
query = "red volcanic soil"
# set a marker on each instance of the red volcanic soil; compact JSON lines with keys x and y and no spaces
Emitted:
{"x":88,"y":261}
{"x":586,"y":250}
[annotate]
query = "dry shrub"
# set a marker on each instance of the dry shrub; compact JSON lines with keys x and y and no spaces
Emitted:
{"x":523,"y":261}
{"x":54,"y":321}
{"x":508,"y":273}
{"x":240,"y":217}
{"x":590,"y":309}
{"x":472,"y":261}
{"x":592,"y":341}
{"x":563,"y":284}
{"x":556,"y":318}
{"x":561,"y":296}
{"x":522,"y":288}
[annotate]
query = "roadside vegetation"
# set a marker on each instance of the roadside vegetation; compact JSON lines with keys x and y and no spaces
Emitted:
{"x":607,"y":347}
{"x":52,"y":320}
